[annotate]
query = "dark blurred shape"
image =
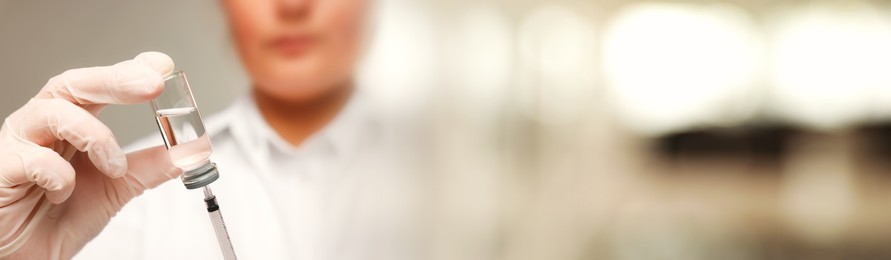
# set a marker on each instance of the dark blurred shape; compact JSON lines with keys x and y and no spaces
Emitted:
{"x":762,"y":144}
{"x":876,"y":140}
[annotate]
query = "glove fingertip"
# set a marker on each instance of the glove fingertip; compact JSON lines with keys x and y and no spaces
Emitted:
{"x":111,"y":161}
{"x":158,"y":61}
{"x":117,"y":168}
{"x":58,"y":196}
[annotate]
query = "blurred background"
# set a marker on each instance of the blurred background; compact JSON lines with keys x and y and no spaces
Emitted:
{"x":611,"y":129}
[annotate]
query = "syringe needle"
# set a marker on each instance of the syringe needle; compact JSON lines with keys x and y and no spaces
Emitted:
{"x":213,"y":208}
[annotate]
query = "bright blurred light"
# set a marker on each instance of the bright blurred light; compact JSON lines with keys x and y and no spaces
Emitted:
{"x":400,"y":65}
{"x":672,"y":66}
{"x":558,"y":52}
{"x":828,"y":63}
{"x":480,"y":54}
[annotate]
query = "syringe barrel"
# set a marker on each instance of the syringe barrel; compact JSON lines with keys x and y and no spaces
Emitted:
{"x":219,"y":226}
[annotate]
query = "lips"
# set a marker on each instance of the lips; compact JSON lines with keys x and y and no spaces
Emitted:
{"x":292,"y":45}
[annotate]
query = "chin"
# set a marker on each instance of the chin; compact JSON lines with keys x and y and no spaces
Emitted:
{"x":300,"y":81}
{"x":296,"y":90}
{"x":293,"y":94}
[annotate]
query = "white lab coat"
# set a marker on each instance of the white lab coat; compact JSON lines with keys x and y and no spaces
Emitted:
{"x":337,"y":196}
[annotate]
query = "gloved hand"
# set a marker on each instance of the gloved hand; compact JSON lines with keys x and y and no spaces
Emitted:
{"x":62,"y":174}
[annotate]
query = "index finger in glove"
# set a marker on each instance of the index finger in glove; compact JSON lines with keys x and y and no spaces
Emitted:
{"x":43,"y":121}
{"x":128,"y":82}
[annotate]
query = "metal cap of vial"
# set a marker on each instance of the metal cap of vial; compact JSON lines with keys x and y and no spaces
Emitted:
{"x":201,"y":176}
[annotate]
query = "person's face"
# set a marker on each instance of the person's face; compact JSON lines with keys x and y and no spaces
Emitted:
{"x":296,"y":50}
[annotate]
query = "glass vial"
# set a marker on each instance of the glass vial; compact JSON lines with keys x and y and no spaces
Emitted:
{"x":183,"y":131}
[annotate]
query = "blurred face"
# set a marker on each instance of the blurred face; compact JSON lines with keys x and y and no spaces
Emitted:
{"x":297,"y":50}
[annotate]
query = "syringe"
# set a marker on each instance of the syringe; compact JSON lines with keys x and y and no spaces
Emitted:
{"x":219,"y":226}
{"x":189,"y":146}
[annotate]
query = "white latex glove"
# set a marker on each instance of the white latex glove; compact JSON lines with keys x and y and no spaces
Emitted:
{"x":54,"y":143}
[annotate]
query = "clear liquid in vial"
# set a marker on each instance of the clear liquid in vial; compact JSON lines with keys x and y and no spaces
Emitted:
{"x":185,"y":137}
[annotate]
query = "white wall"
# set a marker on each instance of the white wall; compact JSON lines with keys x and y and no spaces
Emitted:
{"x":42,"y":38}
